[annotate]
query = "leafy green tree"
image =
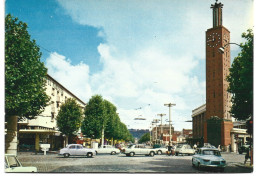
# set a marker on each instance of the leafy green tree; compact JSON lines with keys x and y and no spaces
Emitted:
{"x":144,"y":138}
{"x":241,"y":80}
{"x":69,"y":117}
{"x":95,"y":115}
{"x":110,"y":120}
{"x":25,"y":74}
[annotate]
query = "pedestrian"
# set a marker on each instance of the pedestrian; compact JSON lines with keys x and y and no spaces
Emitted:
{"x":247,"y":155}
{"x":219,"y":148}
{"x":195,"y":146}
{"x":169,"y":149}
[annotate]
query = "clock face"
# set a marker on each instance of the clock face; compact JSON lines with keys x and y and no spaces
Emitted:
{"x":213,"y":40}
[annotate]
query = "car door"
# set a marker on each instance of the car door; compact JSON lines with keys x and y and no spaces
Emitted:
{"x":72,"y":150}
{"x":79,"y":150}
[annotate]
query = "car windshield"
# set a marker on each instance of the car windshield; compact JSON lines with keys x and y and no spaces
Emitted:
{"x":211,"y":152}
{"x":179,"y":146}
{"x":130,"y":146}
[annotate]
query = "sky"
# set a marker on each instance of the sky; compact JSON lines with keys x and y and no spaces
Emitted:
{"x":139,"y":55}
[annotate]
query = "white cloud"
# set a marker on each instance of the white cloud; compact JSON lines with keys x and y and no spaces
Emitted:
{"x":151,"y":53}
{"x":75,"y":78}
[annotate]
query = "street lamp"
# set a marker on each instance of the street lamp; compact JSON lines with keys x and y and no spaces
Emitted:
{"x":155,"y":121}
{"x":170,"y":105}
{"x":161,"y":125}
{"x":222,"y":49}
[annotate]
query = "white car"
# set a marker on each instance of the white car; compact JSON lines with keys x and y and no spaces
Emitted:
{"x":184,"y":149}
{"x":107,"y":149}
{"x":138,"y":150}
{"x":161,"y":150}
{"x":77,"y":150}
{"x":12,"y":164}
{"x":208,"y":157}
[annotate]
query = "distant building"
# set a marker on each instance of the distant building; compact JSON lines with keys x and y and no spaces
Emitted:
{"x":43,"y":129}
{"x":161,"y":134}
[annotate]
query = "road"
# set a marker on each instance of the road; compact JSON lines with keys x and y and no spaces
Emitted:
{"x":122,"y":164}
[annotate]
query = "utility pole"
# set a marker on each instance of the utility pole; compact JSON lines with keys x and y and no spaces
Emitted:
{"x":170,"y":105}
{"x":156,"y":121}
{"x":161,"y":125}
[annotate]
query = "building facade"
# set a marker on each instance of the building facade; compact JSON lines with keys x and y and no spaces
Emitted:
{"x":43,"y":129}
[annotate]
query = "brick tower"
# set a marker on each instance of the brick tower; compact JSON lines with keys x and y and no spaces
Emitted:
{"x":217,"y":68}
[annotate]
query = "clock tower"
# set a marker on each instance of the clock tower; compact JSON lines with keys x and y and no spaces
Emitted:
{"x":217,"y":69}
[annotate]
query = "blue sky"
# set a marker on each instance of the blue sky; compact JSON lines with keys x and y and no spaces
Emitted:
{"x":135,"y":54}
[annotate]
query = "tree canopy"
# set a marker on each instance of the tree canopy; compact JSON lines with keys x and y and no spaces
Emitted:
{"x":144,"y":138}
{"x":100,"y":113}
{"x":241,"y":80}
{"x":25,"y":74}
{"x":69,"y":117}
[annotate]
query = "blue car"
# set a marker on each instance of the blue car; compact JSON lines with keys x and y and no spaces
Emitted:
{"x":208,"y":157}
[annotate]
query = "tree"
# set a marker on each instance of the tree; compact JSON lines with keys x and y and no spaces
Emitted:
{"x":101,"y":117}
{"x":144,"y":138}
{"x":241,"y":80}
{"x":69,"y":117}
{"x":25,"y":75}
{"x":94,"y":119}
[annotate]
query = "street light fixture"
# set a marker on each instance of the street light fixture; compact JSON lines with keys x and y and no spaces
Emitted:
{"x":161,"y":125}
{"x":155,"y":121}
{"x":170,"y":105}
{"x":222,"y":49}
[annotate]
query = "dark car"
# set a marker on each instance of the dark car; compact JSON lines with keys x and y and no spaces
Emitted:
{"x":243,"y":149}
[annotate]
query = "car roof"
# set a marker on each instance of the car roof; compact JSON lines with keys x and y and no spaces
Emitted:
{"x":207,"y":148}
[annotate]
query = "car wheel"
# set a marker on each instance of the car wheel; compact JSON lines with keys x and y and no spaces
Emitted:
{"x":89,"y":155}
{"x":66,"y":155}
{"x":152,"y":153}
{"x":132,"y":154}
{"x":176,"y":154}
{"x":113,"y":153}
{"x":159,"y":152}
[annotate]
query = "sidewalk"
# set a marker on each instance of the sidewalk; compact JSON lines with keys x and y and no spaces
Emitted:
{"x":247,"y":165}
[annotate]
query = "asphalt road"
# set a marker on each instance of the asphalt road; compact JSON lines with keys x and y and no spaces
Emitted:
{"x":122,"y":164}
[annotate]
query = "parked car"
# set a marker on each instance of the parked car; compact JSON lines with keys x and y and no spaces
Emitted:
{"x":107,"y":149}
{"x":138,"y":150}
{"x":77,"y":150}
{"x":208,"y":157}
{"x":12,"y":164}
{"x":161,"y":150}
{"x":208,"y":145}
{"x":243,"y":148}
{"x":184,"y":149}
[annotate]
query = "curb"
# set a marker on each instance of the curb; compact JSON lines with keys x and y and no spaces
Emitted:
{"x":244,"y":166}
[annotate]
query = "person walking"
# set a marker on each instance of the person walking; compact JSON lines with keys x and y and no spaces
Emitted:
{"x":169,"y":149}
{"x":247,"y":156}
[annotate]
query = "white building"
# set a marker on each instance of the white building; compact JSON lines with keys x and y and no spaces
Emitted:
{"x":43,"y":129}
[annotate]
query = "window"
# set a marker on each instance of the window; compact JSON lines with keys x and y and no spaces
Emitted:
{"x":72,"y":147}
{"x":79,"y":147}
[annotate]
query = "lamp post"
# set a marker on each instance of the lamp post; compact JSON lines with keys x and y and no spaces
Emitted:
{"x":155,"y":121}
{"x":170,"y":105}
{"x":222,"y":49}
{"x":161,"y":125}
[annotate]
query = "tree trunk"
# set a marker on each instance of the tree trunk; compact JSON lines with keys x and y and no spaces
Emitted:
{"x":11,"y":136}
